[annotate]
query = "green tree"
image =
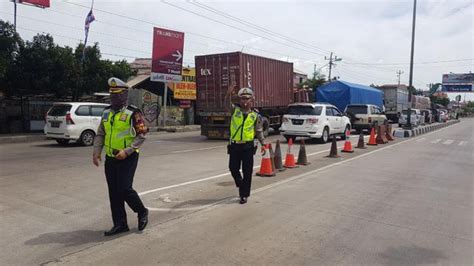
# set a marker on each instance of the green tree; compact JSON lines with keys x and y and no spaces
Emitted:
{"x":10,"y":45}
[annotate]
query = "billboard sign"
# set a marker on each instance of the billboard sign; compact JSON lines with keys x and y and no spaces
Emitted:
{"x":186,"y":90}
{"x":39,"y":3}
{"x":458,"y":82}
{"x":167,"y":56}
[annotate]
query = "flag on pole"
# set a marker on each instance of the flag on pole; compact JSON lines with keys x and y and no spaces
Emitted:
{"x":90,"y":17}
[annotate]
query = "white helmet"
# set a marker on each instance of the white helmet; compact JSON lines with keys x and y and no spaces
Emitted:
{"x":245,"y":91}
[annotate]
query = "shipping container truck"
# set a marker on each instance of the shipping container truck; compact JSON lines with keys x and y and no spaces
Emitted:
{"x":220,"y":76}
{"x":395,"y":100}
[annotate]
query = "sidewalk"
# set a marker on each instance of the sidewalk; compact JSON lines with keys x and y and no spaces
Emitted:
{"x":39,"y":136}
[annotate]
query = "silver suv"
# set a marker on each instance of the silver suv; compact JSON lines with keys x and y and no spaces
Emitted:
{"x":365,"y":116}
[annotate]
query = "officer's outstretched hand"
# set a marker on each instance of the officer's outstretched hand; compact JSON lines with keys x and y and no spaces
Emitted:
{"x":96,"y":159}
{"x":121,"y":155}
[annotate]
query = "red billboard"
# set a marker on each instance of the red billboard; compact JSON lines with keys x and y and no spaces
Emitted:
{"x":167,"y":56}
{"x":40,"y":3}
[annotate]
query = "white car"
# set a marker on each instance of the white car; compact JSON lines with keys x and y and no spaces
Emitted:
{"x":314,"y":120}
{"x":415,"y":118}
{"x":73,"y":121}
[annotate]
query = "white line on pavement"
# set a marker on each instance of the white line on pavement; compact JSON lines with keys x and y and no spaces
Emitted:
{"x":274,"y":184}
{"x":448,"y":142}
{"x":436,"y":141}
{"x":420,"y":140}
{"x":462,"y":143}
{"x":201,"y":149}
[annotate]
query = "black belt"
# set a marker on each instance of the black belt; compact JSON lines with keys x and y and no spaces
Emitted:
{"x":241,"y":142}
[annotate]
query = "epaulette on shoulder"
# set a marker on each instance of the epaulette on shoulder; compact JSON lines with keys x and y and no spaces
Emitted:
{"x":132,"y":107}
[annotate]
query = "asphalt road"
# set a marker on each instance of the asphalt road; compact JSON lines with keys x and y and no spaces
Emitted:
{"x":408,"y":202}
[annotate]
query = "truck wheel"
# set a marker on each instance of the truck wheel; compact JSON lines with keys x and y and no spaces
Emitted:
{"x":325,"y":137}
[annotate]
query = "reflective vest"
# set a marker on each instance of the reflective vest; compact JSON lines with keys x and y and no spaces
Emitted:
{"x":241,"y":130}
{"x":119,"y":132}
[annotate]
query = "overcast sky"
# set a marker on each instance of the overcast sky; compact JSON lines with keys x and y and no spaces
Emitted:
{"x":372,"y":37}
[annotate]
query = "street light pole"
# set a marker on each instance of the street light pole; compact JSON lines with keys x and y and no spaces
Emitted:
{"x":410,"y":81}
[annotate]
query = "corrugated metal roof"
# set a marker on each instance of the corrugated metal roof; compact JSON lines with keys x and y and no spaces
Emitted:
{"x":137,"y":80}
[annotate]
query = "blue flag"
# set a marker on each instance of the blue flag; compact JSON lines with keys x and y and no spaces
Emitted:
{"x":90,"y":17}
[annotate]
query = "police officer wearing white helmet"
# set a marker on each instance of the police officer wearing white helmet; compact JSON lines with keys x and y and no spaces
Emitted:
{"x":122,"y":131}
{"x":246,"y":125}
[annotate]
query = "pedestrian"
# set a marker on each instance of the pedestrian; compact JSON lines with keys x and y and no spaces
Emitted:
{"x":245,"y":125}
{"x":122,"y":131}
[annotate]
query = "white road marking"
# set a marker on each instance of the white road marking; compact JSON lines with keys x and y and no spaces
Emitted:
{"x":274,"y":184}
{"x":436,"y":141}
{"x":213,"y":177}
{"x":448,"y":142}
{"x":420,"y":140}
{"x":462,"y":143}
{"x":201,"y":149}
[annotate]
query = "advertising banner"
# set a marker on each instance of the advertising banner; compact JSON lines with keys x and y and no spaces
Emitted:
{"x":39,"y":3}
{"x":458,"y":82}
{"x":186,"y":90}
{"x":167,"y":56}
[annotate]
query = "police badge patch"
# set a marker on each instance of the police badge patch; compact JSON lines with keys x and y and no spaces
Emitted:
{"x":123,"y":117}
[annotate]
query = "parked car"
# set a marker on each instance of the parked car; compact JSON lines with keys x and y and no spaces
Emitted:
{"x":365,"y":116}
{"x":73,"y":121}
{"x":428,"y":116}
{"x":443,"y":116}
{"x":314,"y":120}
{"x":415,"y":118}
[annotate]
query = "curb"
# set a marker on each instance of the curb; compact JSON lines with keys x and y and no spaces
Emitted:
{"x":41,"y":137}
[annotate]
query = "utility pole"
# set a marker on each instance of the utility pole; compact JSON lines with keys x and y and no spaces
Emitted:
{"x":314,"y":72}
{"x":331,"y":63}
{"x":399,"y":73}
{"x":410,"y":80}
{"x":14,"y":14}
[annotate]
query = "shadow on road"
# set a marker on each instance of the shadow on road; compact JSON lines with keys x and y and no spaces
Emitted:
{"x":411,"y":256}
{"x":74,"y":238}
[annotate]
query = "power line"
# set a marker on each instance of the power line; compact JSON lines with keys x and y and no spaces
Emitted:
{"x":255,"y":26}
{"x":419,"y":63}
{"x":187,"y":32}
{"x":237,"y":28}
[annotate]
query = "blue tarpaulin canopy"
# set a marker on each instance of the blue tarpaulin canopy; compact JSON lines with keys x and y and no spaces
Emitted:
{"x":341,"y":93}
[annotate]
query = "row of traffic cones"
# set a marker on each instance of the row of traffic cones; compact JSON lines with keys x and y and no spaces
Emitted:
{"x":272,"y":161}
{"x":384,"y":135}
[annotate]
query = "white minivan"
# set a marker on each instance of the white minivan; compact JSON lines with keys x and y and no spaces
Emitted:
{"x":314,"y":120}
{"x":74,"y":121}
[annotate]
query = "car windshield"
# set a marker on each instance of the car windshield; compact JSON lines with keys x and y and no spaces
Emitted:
{"x":305,"y":110}
{"x":59,"y":110}
{"x":357,"y":109}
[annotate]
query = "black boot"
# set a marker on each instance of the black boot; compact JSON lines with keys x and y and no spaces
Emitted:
{"x":243,"y":200}
{"x":142,"y":220}
{"x":117,"y":229}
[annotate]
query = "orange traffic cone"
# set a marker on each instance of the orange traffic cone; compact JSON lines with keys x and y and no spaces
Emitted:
{"x":372,"y":138}
{"x":348,"y":144}
{"x":266,"y":165}
{"x":380,"y":139}
{"x":290,"y":158}
{"x":388,"y":133}
{"x":302,"y":159}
